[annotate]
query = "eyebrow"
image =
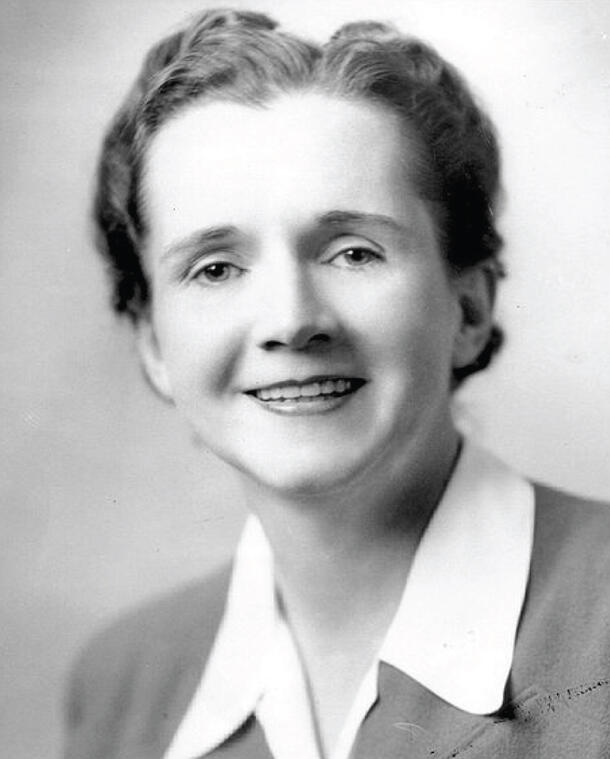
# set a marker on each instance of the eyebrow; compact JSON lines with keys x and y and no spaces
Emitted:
{"x":198,"y":239}
{"x":201,"y":238}
{"x":342,"y":218}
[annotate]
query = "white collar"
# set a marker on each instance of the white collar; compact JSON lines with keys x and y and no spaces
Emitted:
{"x":455,"y":626}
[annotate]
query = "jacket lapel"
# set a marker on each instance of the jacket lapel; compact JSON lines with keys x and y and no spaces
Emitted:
{"x":409,"y":721}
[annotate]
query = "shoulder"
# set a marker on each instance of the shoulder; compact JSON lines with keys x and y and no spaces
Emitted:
{"x":570,"y":567}
{"x":141,"y":669}
{"x":564,"y":631}
{"x":175,"y":620}
{"x":569,"y":528}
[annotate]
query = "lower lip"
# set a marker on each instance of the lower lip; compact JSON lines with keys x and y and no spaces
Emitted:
{"x":305,"y":406}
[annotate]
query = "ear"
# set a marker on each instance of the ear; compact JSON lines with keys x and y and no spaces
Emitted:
{"x":476,"y":290}
{"x":151,"y":359}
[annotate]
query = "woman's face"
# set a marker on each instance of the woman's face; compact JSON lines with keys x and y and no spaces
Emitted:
{"x":302,"y":318}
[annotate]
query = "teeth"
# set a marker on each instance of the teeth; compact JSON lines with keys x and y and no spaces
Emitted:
{"x":309,"y":390}
{"x":290,"y":392}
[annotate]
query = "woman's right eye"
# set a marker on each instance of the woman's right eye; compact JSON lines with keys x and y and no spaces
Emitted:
{"x":217,"y":272}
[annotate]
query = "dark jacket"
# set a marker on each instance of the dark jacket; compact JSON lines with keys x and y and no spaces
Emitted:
{"x":133,"y":683}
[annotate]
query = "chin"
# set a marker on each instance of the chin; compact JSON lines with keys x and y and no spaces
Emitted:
{"x":305,"y":478}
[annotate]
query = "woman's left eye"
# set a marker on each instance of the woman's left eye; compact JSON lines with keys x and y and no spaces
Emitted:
{"x":355,"y":257}
{"x":217,"y":272}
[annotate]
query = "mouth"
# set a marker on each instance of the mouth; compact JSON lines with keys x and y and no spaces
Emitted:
{"x":311,"y":395}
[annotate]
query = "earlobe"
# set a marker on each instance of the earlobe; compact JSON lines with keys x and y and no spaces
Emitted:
{"x":151,"y":360}
{"x":475,"y":290}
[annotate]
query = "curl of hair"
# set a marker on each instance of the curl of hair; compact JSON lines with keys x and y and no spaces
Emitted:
{"x":242,"y":57}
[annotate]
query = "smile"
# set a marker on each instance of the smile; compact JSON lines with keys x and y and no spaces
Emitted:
{"x":319,"y":394}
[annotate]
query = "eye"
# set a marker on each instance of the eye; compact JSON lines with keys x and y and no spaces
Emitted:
{"x":355,"y":257}
{"x":216,"y":272}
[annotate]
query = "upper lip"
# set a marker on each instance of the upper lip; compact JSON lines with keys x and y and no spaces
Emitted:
{"x":305,"y":381}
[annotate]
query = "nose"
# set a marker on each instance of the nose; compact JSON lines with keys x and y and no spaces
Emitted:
{"x":292,"y":311}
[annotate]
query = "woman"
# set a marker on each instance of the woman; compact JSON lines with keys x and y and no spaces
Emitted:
{"x":304,"y":240}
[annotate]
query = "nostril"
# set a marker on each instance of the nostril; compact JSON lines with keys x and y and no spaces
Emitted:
{"x":272,"y":344}
{"x":299,"y":341}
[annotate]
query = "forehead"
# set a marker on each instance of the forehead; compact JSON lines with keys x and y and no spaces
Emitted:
{"x":296,"y":158}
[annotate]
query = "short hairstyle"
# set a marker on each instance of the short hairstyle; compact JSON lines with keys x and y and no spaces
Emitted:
{"x":241,"y":56}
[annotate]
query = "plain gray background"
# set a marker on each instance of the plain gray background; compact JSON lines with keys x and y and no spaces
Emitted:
{"x":105,"y":497}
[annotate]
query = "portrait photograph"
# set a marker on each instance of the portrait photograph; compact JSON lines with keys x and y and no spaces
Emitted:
{"x":305,"y":379}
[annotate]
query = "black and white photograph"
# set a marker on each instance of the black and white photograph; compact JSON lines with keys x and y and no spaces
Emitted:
{"x":305,"y":387}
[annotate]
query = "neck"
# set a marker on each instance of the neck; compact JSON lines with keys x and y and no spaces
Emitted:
{"x":341,"y":558}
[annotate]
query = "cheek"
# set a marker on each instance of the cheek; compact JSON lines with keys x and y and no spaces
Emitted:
{"x":200,"y":347}
{"x":408,"y":323}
